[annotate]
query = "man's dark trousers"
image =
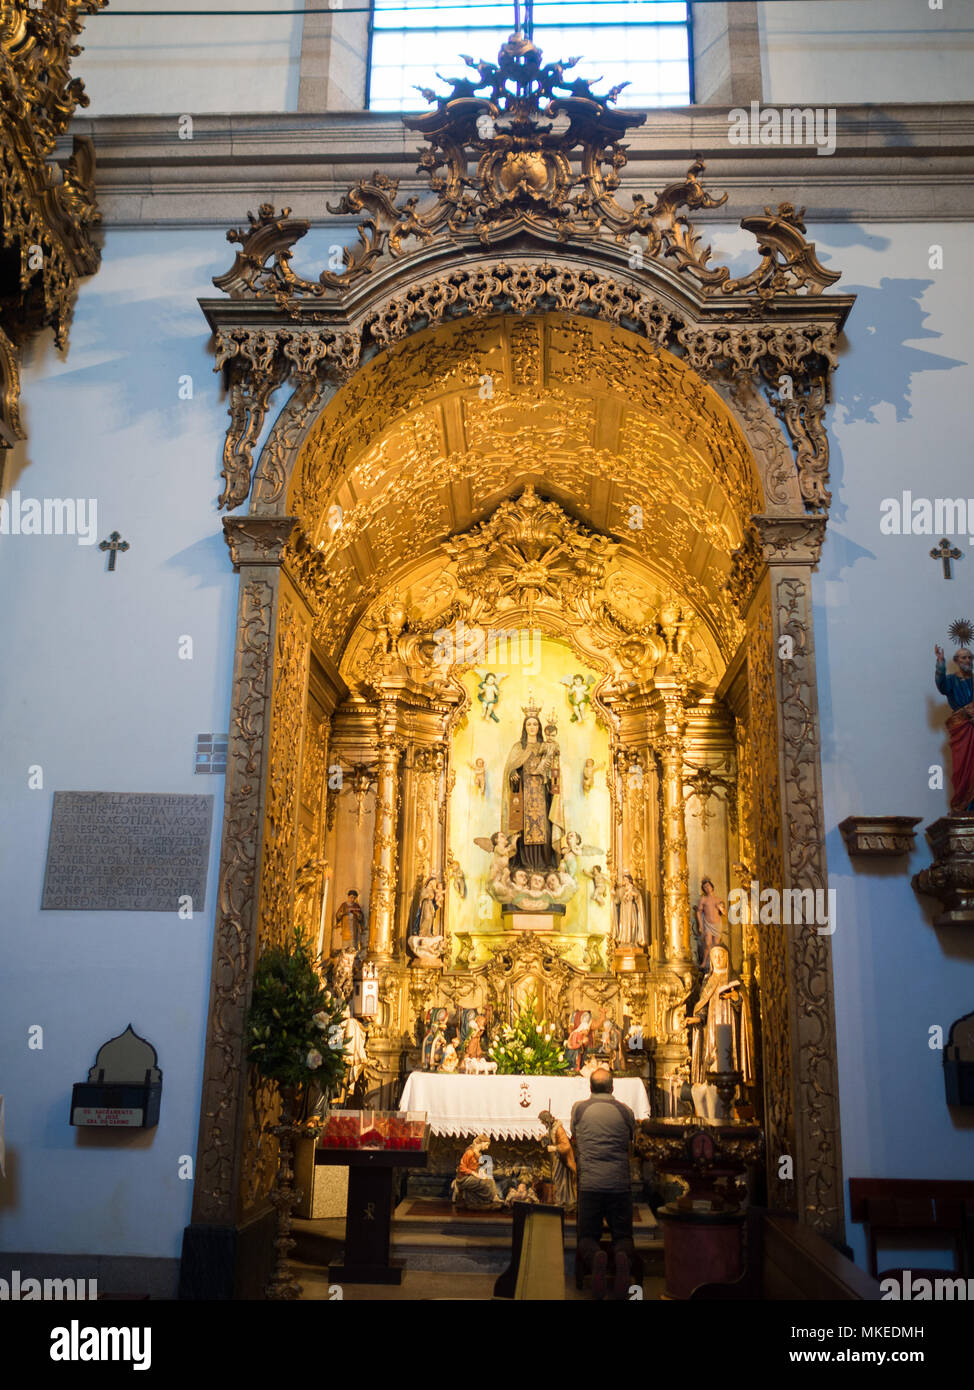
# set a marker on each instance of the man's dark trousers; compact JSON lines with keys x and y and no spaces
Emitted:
{"x":613,"y":1207}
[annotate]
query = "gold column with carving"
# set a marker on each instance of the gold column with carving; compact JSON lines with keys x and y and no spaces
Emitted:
{"x":382,"y":896}
{"x":676,"y":921}
{"x":672,"y":977}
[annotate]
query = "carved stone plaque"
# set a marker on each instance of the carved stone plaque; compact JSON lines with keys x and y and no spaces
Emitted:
{"x":127,"y":851}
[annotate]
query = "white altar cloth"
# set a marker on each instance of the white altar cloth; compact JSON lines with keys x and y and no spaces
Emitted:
{"x":506,"y":1107}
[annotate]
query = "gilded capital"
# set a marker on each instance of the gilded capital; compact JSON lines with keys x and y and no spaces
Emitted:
{"x":791,"y":540}
{"x":257,"y":540}
{"x":773,"y":540}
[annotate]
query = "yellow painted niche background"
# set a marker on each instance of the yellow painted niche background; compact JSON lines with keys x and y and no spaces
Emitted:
{"x":538,"y":675}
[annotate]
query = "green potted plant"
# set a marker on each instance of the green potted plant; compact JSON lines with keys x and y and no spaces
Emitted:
{"x":294,"y":1027}
{"x":295,"y":1035}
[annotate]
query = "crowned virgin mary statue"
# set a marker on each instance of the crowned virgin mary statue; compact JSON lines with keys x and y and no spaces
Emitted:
{"x":531,"y":805}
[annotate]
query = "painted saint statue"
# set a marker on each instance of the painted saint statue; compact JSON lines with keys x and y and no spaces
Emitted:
{"x":531,"y":805}
{"x":630,"y":917}
{"x":960,"y":723}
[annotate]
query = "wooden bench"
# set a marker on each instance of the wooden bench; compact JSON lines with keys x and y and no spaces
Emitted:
{"x":936,"y":1211}
{"x":787,"y":1260}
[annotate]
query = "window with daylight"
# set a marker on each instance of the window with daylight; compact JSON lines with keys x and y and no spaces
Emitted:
{"x":643,"y":42}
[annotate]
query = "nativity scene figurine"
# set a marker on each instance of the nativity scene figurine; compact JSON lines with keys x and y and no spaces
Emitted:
{"x":474,"y":1184}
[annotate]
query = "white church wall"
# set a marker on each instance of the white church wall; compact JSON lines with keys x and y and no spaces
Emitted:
{"x":93,"y":690}
{"x":870,"y":51}
{"x":190,"y":63}
{"x":900,"y":421}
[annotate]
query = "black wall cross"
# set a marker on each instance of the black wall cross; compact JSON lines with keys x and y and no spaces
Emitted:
{"x":946,"y":552}
{"x":113,"y":545}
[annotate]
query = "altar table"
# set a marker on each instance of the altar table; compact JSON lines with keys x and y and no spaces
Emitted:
{"x":506,"y":1107}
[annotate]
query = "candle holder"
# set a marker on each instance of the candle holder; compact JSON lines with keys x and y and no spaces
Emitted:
{"x":726,"y":1083}
{"x":284,"y":1197}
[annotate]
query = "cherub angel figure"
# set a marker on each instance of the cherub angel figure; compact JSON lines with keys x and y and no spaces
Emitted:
{"x":600,"y":885}
{"x":579,"y":700}
{"x":479,"y":770}
{"x":589,"y":768}
{"x":489,"y":693}
{"x":502,"y":849}
{"x":571,"y":848}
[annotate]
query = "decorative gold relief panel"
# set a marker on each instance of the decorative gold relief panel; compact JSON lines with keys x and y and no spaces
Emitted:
{"x":441,"y":441}
{"x":291,"y":658}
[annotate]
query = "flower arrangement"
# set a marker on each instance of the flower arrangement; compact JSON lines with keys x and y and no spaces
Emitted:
{"x":294,"y":1027}
{"x":528,"y":1047}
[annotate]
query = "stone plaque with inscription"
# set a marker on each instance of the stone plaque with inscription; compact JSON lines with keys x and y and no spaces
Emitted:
{"x":127,"y":851}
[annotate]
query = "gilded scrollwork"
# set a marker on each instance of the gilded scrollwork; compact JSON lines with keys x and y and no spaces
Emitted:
{"x":256,"y":362}
{"x":48,"y":209}
{"x":777,"y":1060}
{"x":235,"y":935}
{"x":280,"y":825}
{"x":702,"y":783}
{"x":813,"y":1010}
{"x":803,"y":413}
{"x":496,"y":164}
{"x":788,"y":261}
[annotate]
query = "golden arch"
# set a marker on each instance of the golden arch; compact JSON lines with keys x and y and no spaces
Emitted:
{"x":429,"y":436}
{"x":351,"y":501}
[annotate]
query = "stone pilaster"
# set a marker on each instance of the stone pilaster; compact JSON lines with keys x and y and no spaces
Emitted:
{"x":771,"y":584}
{"x":256,"y":547}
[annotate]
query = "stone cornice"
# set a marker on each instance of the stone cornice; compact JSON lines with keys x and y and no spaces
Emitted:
{"x":895,"y":163}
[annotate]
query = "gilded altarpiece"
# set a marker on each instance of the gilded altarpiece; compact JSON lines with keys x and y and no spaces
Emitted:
{"x":498,"y":415}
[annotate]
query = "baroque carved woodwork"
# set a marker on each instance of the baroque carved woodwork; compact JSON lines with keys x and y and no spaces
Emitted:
{"x":776,"y":1049}
{"x":48,"y":212}
{"x":950,"y":878}
{"x":292,"y":652}
{"x":499,"y":415}
{"x":501,"y":168}
{"x":872,"y":836}
{"x":218,"y":1167}
{"x":812,"y":1006}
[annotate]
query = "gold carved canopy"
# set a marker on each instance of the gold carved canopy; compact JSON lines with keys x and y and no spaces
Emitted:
{"x":429,"y":437}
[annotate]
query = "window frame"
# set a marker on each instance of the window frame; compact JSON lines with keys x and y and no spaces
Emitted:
{"x":611,"y":24}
